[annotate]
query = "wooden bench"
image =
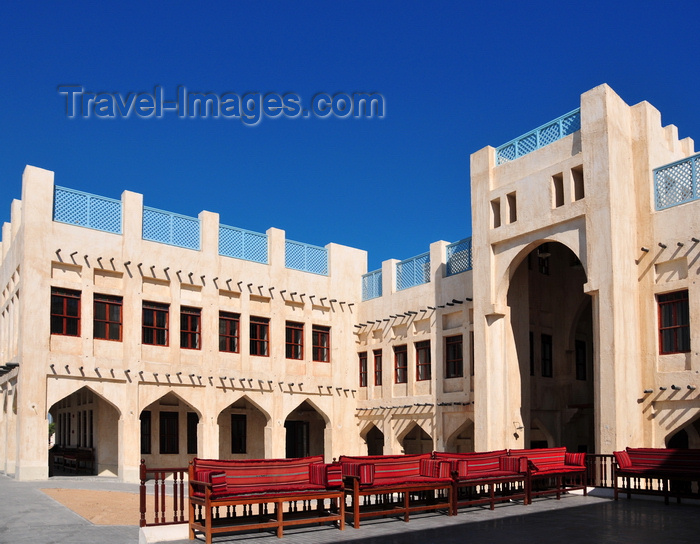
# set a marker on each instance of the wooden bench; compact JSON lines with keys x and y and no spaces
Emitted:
{"x":234,"y":495}
{"x":486,"y":477}
{"x":400,"y":484}
{"x":74,"y":459}
{"x":553,"y":471}
{"x":657,"y":471}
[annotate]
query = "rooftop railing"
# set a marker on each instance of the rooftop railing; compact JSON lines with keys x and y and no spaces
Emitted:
{"x":171,"y":228}
{"x":372,"y":285}
{"x":86,"y":210}
{"x":459,"y":257}
{"x":305,"y":257}
{"x":677,"y":183}
{"x":413,"y":271}
{"x":242,"y":244}
{"x":539,"y":137}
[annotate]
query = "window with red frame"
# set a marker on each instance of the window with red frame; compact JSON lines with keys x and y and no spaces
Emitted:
{"x":259,"y":336}
{"x":363,"y":369}
{"x":190,"y":328}
{"x":107,"y":322}
{"x":321,"y":343}
{"x":65,"y":312}
{"x":400,"y":364}
{"x":674,"y":322}
{"x":377,"y":367}
{"x":294,"y":340}
{"x":229,"y":332}
{"x":423,"y":370}
{"x":454,"y":357}
{"x":154,"y":324}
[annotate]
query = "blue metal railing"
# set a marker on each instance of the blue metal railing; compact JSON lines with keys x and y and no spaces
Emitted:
{"x":459,"y":257}
{"x":372,"y":285}
{"x":539,"y":137}
{"x":677,"y":183}
{"x":305,"y":257}
{"x":413,"y":271}
{"x":242,"y":244}
{"x":87,"y":210}
{"x":171,"y":228}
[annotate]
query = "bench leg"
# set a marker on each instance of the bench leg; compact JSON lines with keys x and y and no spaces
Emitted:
{"x":406,"y":502}
{"x":280,"y":527}
{"x":208,"y":524}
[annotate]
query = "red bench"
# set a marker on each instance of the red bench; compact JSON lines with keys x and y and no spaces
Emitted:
{"x":218,"y":487}
{"x":400,"y":484}
{"x":492,"y":472}
{"x":657,"y":471}
{"x":553,"y":471}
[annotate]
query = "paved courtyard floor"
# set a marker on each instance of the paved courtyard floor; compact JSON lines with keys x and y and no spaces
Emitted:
{"x":28,"y":515}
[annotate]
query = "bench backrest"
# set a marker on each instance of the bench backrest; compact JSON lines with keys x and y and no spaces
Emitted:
{"x":542,"y":457}
{"x":258,"y":472}
{"x":481,"y":461}
{"x":386,"y":467}
{"x":664,"y":457}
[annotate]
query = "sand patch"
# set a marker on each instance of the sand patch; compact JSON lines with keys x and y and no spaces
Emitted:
{"x":100,"y":507}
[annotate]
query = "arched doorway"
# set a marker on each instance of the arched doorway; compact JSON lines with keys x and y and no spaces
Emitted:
{"x":416,"y":440}
{"x":85,"y":427}
{"x":305,"y":431}
{"x":552,"y":326}
{"x":462,"y":440}
{"x":242,"y":431}
{"x":169,"y":431}
{"x":374,"y":439}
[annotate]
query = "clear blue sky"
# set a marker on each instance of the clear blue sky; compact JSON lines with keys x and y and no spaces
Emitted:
{"x":456,"y":76}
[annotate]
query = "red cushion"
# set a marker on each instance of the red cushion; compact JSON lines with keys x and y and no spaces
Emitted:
{"x":513,"y":464}
{"x":575,"y":459}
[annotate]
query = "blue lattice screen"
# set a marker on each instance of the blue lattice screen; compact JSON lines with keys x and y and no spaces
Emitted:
{"x":242,"y":244}
{"x":170,"y":228}
{"x":372,"y":285}
{"x":306,"y":258}
{"x":539,"y":137}
{"x":86,"y":210}
{"x":459,"y":257}
{"x":677,"y":182}
{"x":413,"y":271}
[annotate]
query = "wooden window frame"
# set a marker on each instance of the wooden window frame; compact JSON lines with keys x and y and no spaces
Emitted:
{"x":169,"y":441}
{"x":239,"y":441}
{"x":192,"y":431}
{"x":401,"y":364}
{"x":190,"y":327}
{"x":454,"y":366}
{"x":260,"y":336}
{"x":156,"y":309}
{"x":423,"y":361}
{"x":109,"y":301}
{"x":547,"y":356}
{"x":63,"y":316}
{"x":294,"y":340}
{"x":378,"y":354}
{"x":230,"y":336}
{"x":363,"y":368}
{"x":319,"y":352}
{"x":678,"y":302}
{"x":145,"y":419}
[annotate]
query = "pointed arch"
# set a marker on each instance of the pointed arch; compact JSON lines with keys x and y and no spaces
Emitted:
{"x":415,"y":439}
{"x":462,"y":440}
{"x":85,"y":418}
{"x":243,"y":427}
{"x":307,"y":430}
{"x":374,"y":439}
{"x":691,"y":425}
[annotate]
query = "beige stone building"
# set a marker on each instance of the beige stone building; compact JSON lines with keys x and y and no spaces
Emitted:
{"x":568,"y":318}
